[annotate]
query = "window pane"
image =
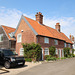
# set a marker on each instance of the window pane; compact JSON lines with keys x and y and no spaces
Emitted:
{"x":19,"y":38}
{"x":46,"y":40}
{"x":46,"y":51}
{"x":1,"y":37}
{"x":56,"y":42}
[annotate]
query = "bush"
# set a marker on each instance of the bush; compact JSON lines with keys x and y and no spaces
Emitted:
{"x":52,"y":50}
{"x":63,"y":58}
{"x":28,"y":59}
{"x":32,"y":51}
{"x":51,"y":58}
{"x":46,"y":56}
{"x":66,"y":52}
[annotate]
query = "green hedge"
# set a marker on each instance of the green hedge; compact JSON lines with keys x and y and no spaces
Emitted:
{"x":28,"y":59}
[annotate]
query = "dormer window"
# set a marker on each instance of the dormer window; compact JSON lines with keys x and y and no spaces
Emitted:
{"x":46,"y":40}
{"x":56,"y":42}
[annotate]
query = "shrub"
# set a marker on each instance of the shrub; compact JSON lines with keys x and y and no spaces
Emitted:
{"x":32,"y":51}
{"x":51,"y":58}
{"x":28,"y":59}
{"x":66,"y":52}
{"x":63,"y":58}
{"x":46,"y":56}
{"x":52,"y":50}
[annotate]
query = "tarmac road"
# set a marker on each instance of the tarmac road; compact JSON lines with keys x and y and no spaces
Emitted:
{"x":63,"y":67}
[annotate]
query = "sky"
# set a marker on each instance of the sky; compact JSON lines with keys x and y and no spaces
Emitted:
{"x":54,"y":11}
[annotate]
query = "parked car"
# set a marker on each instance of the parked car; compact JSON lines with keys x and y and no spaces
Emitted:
{"x":9,"y":58}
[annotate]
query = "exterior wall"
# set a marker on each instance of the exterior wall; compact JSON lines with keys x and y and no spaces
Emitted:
{"x":60,"y":46}
{"x":12,"y":44}
{"x":5,"y":43}
{"x":27,"y":35}
{"x":51,"y":42}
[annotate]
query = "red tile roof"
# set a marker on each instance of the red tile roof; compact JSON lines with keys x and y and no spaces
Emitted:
{"x":47,"y":31}
{"x":8,"y":30}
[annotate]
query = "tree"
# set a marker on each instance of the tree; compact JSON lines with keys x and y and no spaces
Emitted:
{"x":52,"y":50}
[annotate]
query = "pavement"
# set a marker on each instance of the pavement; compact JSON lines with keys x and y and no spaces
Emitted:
{"x":16,"y":70}
{"x":63,"y":67}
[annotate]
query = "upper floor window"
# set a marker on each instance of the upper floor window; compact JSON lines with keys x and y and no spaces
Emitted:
{"x":46,"y":40}
{"x":69,"y":45}
{"x":64,"y":44}
{"x":1,"y":37}
{"x":56,"y":42}
{"x":19,"y":37}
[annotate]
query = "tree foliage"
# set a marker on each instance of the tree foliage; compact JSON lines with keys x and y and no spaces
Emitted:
{"x":66,"y":52}
{"x":32,"y":51}
{"x":52,"y":50}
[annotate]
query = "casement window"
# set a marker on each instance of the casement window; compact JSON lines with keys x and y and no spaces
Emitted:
{"x":19,"y":38}
{"x":69,"y":45}
{"x":56,"y":42}
{"x":46,"y":40}
{"x":21,"y":51}
{"x":56,"y":51}
{"x":46,"y":51}
{"x":64,"y":44}
{"x":1,"y":37}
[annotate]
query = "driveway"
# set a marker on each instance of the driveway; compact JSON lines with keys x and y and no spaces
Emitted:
{"x":16,"y":70}
{"x":63,"y":67}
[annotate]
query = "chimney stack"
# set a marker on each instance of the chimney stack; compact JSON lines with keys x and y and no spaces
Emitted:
{"x":57,"y":27}
{"x":70,"y":37}
{"x":39,"y":17}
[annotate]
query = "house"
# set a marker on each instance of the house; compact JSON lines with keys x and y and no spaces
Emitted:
{"x":72,"y":38}
{"x":29,"y":30}
{"x":6,"y":38}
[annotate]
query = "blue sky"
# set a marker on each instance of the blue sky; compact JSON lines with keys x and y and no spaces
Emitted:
{"x":62,"y":11}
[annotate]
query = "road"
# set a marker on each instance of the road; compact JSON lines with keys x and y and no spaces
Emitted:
{"x":63,"y":67}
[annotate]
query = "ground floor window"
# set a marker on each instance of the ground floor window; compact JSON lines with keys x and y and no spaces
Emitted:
{"x":46,"y":51}
{"x":56,"y":51}
{"x":22,"y":51}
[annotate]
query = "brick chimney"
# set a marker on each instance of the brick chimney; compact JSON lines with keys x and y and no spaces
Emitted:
{"x":39,"y":17}
{"x":70,"y":37}
{"x":57,"y":27}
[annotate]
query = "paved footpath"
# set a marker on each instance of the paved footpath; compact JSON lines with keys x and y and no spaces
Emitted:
{"x":63,"y":67}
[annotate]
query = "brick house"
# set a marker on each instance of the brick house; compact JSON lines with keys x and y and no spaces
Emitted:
{"x":29,"y":31}
{"x":6,"y":38}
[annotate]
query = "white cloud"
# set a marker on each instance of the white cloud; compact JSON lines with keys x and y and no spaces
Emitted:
{"x":67,"y":24}
{"x":10,"y":17}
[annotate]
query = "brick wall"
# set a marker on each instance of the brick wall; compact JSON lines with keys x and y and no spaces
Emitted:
{"x":27,"y":35}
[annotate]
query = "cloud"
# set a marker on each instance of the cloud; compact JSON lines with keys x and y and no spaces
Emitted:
{"x":67,"y":24}
{"x":10,"y":17}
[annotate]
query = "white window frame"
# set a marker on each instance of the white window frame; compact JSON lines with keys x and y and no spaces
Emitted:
{"x":46,"y":40}
{"x":69,"y":45}
{"x":46,"y":49}
{"x":1,"y":35}
{"x":21,"y":51}
{"x":56,"y":42}
{"x":57,"y":51}
{"x":65,"y":45}
{"x":19,"y":40}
